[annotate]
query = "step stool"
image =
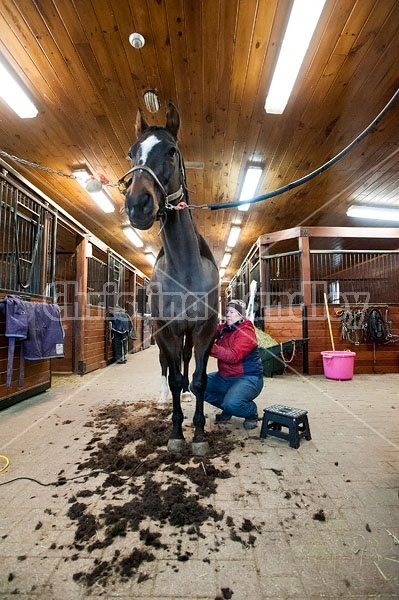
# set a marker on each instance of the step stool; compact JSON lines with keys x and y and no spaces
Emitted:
{"x":277,"y":416}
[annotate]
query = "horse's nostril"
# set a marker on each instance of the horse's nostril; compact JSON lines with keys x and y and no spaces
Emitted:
{"x":148,"y":204}
{"x":129,"y":209}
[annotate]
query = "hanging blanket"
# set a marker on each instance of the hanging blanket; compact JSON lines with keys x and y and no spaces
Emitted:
{"x":38,"y":325}
{"x":119,"y":320}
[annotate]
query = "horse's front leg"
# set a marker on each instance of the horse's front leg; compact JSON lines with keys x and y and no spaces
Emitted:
{"x":200,"y":446}
{"x":176,"y":440}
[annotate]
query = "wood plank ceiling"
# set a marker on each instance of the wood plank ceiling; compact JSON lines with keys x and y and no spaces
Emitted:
{"x":214,"y":59}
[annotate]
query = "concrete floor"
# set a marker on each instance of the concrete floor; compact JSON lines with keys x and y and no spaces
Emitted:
{"x":348,"y":472}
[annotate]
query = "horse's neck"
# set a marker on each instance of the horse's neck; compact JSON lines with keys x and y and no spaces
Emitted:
{"x":180,"y":241}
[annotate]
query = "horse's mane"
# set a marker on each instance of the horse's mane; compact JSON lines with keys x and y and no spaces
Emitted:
{"x":204,"y":249}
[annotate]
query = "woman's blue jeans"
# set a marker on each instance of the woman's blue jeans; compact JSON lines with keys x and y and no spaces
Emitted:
{"x":234,"y":395}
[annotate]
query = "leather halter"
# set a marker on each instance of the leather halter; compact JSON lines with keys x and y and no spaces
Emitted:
{"x":168,"y":198}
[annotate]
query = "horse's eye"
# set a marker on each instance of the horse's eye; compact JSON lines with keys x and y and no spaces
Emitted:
{"x":172,"y":152}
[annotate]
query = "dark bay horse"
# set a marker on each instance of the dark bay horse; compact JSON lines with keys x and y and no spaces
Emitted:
{"x":184,"y":287}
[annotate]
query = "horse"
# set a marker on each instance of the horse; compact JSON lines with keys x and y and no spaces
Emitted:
{"x":184,"y":287}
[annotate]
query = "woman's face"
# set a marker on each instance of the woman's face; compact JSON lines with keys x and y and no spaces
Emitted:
{"x":232,"y":316}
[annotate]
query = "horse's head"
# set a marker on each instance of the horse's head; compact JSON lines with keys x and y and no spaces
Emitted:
{"x":156,"y":179}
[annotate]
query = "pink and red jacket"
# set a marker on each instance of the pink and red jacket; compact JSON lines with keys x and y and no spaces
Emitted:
{"x":236,"y":350}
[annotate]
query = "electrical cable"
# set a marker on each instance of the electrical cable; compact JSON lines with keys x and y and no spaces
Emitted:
{"x":61,"y":480}
{"x":4,"y":467}
{"x":313,"y":174}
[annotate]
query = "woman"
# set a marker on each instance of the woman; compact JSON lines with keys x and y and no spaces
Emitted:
{"x":239,"y":379}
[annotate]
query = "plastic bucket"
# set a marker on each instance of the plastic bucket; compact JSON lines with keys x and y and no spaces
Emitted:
{"x":338,"y":364}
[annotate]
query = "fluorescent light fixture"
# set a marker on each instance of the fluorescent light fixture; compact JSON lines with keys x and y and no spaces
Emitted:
{"x":249,"y":186}
{"x":234,"y":235}
{"x":374,"y":212}
{"x":226,"y":259}
{"x":150,"y":257}
{"x":221,"y":273}
{"x":82,"y":176}
{"x":102,"y":200}
{"x":133,"y":236}
{"x":14,"y":95}
{"x":301,"y":25}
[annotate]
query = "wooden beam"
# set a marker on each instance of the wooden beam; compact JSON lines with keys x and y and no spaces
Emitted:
{"x":80,"y":306}
{"x":352,"y":232}
{"x":306,"y":282}
{"x":278,"y":236}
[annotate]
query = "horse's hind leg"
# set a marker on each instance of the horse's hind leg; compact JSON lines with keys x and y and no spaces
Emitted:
{"x":187,"y":354}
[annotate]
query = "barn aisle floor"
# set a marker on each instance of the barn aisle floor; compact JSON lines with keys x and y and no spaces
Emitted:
{"x":321,"y":521}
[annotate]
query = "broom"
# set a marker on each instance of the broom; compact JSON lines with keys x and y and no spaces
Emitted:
{"x":329,"y":323}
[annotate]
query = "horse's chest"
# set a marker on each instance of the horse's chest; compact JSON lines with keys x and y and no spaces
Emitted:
{"x":171,"y":298}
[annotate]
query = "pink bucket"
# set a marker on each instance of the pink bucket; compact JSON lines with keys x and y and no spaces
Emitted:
{"x":338,"y":364}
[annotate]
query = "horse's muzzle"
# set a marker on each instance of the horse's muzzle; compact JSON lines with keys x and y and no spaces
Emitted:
{"x":141,"y":210}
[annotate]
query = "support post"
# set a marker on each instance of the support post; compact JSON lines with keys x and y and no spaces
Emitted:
{"x":80,"y":306}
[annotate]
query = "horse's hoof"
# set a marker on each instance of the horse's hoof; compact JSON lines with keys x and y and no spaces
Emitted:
{"x":199,"y":448}
{"x":175,"y":445}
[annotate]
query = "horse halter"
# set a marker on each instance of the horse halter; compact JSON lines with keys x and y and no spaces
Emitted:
{"x":169,"y":199}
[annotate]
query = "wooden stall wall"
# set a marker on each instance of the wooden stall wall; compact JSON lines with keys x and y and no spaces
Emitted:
{"x":351,"y":267}
{"x":386,"y":354}
{"x":65,"y":285}
{"x":94,"y":340}
{"x":27,"y":250}
{"x":37,"y":374}
{"x":65,"y":365}
{"x":285,"y":323}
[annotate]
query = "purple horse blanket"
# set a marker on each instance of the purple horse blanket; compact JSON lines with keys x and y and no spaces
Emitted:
{"x":38,"y":326}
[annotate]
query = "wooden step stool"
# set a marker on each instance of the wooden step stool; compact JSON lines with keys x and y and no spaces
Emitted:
{"x":277,"y":416}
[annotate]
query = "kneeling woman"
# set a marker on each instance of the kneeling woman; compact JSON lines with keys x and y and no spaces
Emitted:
{"x":239,"y":379}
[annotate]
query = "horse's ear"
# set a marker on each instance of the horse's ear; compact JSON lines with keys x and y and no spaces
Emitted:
{"x":141,"y":124}
{"x":172,"y":120}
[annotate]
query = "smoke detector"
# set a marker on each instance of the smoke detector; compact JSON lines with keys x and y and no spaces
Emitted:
{"x":136,"y":40}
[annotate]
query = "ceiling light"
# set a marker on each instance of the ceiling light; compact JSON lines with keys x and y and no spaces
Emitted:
{"x":102,"y":199}
{"x":301,"y":25}
{"x":226,"y":259}
{"x":234,"y":235}
{"x":14,"y":95}
{"x":150,"y":257}
{"x":151,"y":101}
{"x":221,"y":273}
{"x":249,"y":186}
{"x":374,"y":212}
{"x":133,"y":236}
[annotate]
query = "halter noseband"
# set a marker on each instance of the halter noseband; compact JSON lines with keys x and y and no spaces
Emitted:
{"x":168,"y":198}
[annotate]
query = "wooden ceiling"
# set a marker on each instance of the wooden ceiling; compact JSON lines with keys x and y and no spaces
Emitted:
{"x":213,"y":59}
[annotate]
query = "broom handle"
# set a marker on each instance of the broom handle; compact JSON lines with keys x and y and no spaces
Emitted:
{"x":329,"y":323}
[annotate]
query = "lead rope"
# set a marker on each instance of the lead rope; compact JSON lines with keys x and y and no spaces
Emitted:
{"x":287,"y":362}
